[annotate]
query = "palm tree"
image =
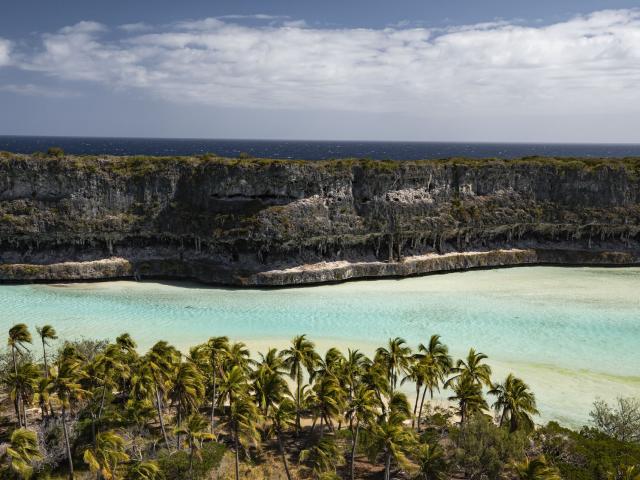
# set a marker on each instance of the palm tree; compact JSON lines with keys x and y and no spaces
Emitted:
{"x":431,"y":462}
{"x":126,"y":344}
{"x":390,"y":436}
{"x":468,"y":394}
{"x":18,"y":336}
{"x":321,"y":457}
{"x":66,"y":385}
{"x":332,"y":364}
{"x":375,"y":378}
{"x":300,"y":355}
{"x":239,"y":355}
{"x":361,"y":411}
{"x":233,"y":384}
{"x":43,"y":396}
{"x":147,"y":470}
{"x":536,"y":469}
{"x":473,"y":368}
{"x":46,"y":332}
{"x":22,"y":386}
{"x":242,"y":422}
{"x":269,"y":388}
{"x":416,"y":375}
{"x":354,"y":367}
{"x":271,"y":362}
{"x":397,"y":358}
{"x":329,"y":398}
{"x":195,"y":432}
{"x":217,"y":348}
{"x":435,"y":363}
{"x":128,"y":356}
{"x":157,"y":366}
{"x":187,"y":391}
{"x":515,"y":403}
{"x":282,"y":418}
{"x":111,"y":366}
{"x":21,"y":452}
{"x":107,"y":455}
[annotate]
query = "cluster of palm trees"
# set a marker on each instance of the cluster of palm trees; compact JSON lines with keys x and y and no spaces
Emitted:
{"x":320,"y":411}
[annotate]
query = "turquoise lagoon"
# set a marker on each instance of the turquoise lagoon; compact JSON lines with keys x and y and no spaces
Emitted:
{"x":572,"y":333}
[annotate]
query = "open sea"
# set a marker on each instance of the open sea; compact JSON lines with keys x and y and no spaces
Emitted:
{"x":311,"y":150}
{"x":571,"y":333}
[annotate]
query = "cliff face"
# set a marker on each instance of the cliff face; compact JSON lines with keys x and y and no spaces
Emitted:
{"x":236,"y":221}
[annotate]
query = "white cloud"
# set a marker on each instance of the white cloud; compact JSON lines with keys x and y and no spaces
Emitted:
{"x":5,"y":52}
{"x":588,"y":63}
{"x":135,"y":27}
{"x":257,"y":16}
{"x":36,"y":90}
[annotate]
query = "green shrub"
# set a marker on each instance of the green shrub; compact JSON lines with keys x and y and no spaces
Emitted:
{"x":176,"y":465}
{"x":55,"y":152}
{"x":484,"y":450}
{"x":588,"y":454}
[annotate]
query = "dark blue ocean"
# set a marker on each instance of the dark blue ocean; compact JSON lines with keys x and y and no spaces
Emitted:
{"x":311,"y":150}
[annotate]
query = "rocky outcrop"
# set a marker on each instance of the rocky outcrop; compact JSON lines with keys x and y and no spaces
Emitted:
{"x":269,"y":222}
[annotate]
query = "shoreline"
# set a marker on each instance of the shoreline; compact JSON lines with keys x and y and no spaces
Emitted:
{"x":118,"y":268}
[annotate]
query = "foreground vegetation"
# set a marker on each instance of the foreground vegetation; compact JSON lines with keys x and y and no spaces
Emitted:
{"x":97,"y":409}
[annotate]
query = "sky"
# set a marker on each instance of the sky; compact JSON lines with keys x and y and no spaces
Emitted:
{"x":407,"y":70}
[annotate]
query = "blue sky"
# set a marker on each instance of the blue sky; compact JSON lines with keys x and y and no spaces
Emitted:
{"x":463,"y":70}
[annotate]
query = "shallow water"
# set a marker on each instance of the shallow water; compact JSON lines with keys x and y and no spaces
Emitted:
{"x":572,"y":333}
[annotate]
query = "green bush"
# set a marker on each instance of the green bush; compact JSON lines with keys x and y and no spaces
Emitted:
{"x":55,"y":152}
{"x":483,"y":449}
{"x":588,"y":454}
{"x":176,"y":465}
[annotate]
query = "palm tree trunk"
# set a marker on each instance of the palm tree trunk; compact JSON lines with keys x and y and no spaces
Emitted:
{"x":284,"y":455}
{"x":66,"y":442}
{"x":104,"y":390}
{"x":235,"y":441}
{"x":354,"y":441}
{"x":44,"y":356}
{"x":330,"y":423}
{"x":179,"y":423}
{"x":159,"y":409}
{"x":24,"y":413}
{"x":17,"y":400}
{"x":512,"y":427}
{"x":298,"y":382}
{"x":424,"y":393}
{"x":16,"y":406}
{"x":191,"y":460}
{"x":415,"y":406}
{"x":392,"y":379}
{"x":213,"y":402}
{"x":43,"y":410}
{"x":93,"y":431}
{"x":387,"y":465}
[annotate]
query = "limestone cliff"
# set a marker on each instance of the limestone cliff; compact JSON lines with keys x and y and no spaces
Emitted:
{"x":269,"y":222}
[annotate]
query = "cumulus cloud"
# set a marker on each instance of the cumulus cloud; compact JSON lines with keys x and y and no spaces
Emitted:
{"x":5,"y":50}
{"x":587,"y":63}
